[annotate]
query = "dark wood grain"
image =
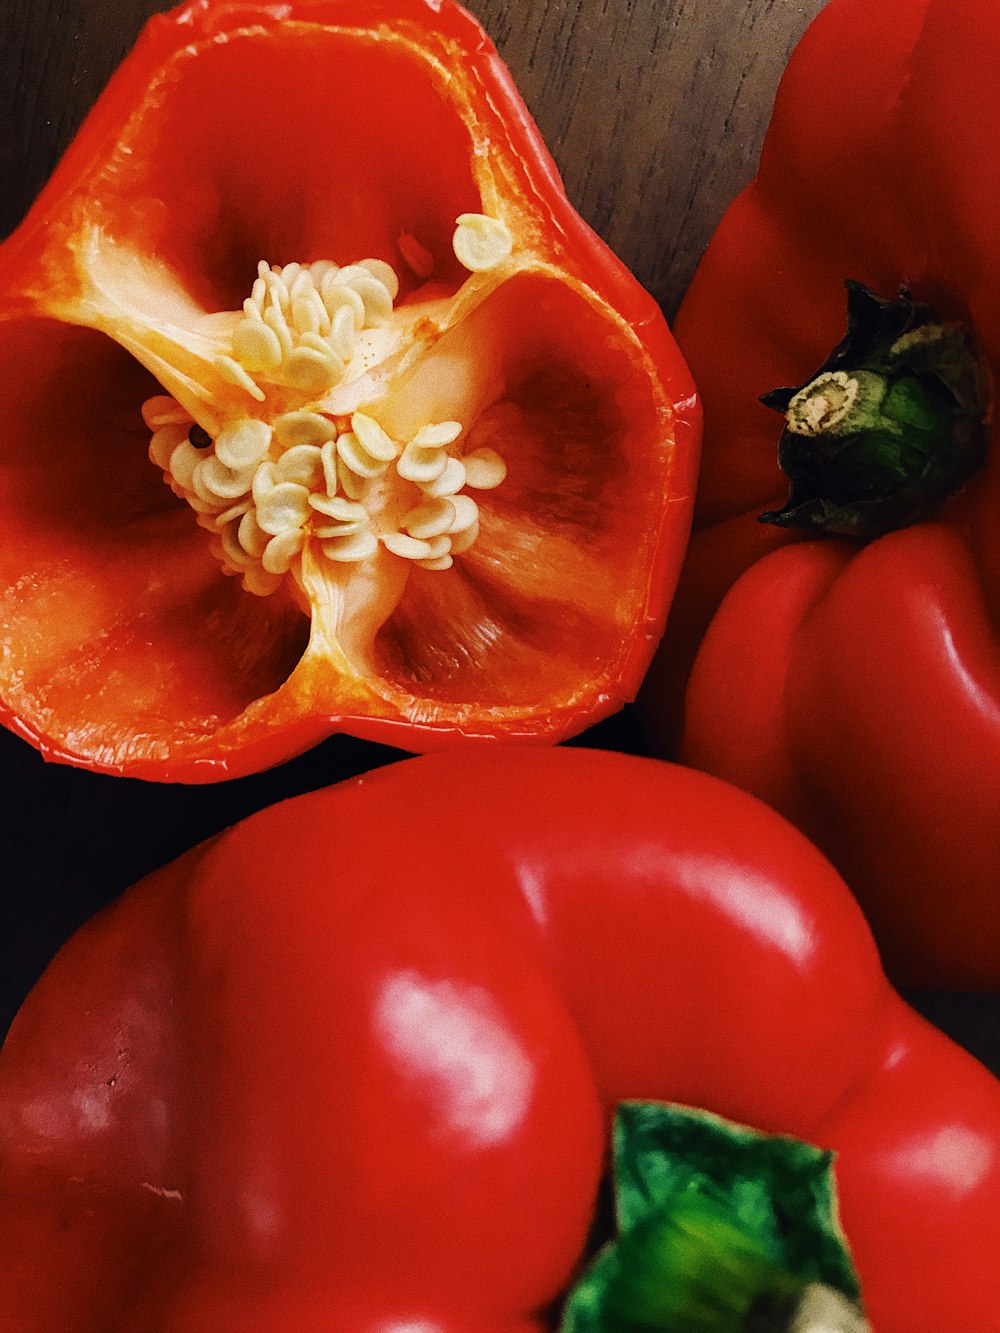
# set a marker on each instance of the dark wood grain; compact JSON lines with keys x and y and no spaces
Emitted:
{"x":653,"y":111}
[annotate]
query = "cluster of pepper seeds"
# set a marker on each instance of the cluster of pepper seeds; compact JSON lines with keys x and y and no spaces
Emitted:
{"x":300,"y":323}
{"x":263,"y":488}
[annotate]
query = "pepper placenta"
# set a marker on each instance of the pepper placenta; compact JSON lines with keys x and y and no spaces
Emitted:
{"x":428,"y":447}
{"x":351,"y":1065}
{"x":852,"y":681}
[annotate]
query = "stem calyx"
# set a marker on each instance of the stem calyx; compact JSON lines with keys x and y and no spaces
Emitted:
{"x":889,"y":427}
{"x":721,"y":1230}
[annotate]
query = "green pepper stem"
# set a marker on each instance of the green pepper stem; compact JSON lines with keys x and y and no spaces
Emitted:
{"x":889,"y":428}
{"x":722,"y":1230}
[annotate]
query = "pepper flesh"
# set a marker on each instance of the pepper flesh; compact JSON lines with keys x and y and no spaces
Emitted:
{"x":854,"y":688}
{"x":351,"y":1064}
{"x":384,"y":132}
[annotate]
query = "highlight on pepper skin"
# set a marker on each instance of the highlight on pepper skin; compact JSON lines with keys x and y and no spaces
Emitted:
{"x":308,"y":1079}
{"x":428,"y":447}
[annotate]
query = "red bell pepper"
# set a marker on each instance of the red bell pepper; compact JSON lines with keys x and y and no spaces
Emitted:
{"x":429,"y":446}
{"x":852,"y":681}
{"x":351,"y":1064}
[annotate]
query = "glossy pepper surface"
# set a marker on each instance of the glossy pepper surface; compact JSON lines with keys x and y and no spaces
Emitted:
{"x":351,"y":1065}
{"x":428,"y":446}
{"x":853,"y":683}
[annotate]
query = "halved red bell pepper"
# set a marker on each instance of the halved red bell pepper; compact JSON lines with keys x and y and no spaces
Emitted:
{"x":852,"y":682}
{"x":351,"y":1064}
{"x":314,"y":260}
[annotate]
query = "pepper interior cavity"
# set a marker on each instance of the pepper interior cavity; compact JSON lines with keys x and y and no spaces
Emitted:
{"x":301,"y":412}
{"x":293,"y":469}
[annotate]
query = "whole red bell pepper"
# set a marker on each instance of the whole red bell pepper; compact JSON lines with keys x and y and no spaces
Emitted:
{"x":850,"y":678}
{"x":429,"y":447}
{"x":351,"y":1064}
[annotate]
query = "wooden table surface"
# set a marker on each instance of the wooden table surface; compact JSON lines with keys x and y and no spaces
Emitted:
{"x":654,"y":111}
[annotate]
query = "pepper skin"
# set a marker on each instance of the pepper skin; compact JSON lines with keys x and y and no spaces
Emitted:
{"x":242,"y":146}
{"x":855,"y":687}
{"x":351,"y":1065}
